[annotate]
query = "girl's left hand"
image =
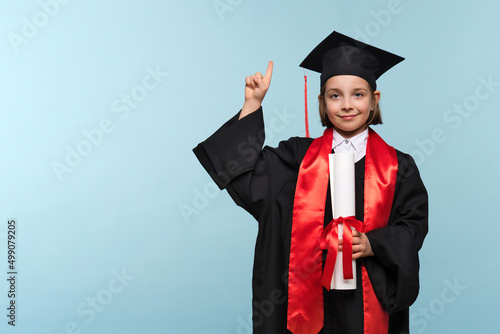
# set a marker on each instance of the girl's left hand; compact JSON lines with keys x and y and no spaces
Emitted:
{"x":360,"y":245}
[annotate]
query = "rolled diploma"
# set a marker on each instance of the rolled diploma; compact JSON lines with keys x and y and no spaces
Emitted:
{"x":343,"y":205}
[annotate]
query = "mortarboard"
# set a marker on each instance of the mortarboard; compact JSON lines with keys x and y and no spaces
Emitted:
{"x":342,"y":55}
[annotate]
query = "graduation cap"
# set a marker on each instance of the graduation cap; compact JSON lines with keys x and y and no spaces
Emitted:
{"x":342,"y":55}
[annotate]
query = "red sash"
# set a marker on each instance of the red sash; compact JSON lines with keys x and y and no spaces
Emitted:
{"x":305,"y":291}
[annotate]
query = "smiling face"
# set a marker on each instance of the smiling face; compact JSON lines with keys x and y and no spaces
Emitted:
{"x":347,"y":102}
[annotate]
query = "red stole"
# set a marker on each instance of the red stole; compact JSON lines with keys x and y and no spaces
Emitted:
{"x":305,"y":291}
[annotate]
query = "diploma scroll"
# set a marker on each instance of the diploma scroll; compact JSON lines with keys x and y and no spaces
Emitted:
{"x":343,"y":205}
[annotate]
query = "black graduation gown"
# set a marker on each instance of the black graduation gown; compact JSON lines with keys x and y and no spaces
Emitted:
{"x":263,"y":180}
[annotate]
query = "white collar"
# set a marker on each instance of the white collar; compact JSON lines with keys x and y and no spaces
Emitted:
{"x":356,"y":144}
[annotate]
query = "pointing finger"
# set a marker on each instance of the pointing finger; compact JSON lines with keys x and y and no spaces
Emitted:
{"x":269,"y":72}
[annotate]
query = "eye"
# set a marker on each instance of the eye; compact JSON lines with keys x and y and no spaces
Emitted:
{"x":334,"y":96}
{"x":358,"y":94}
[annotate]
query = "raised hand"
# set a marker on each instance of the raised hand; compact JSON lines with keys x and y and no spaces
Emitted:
{"x":256,"y":87}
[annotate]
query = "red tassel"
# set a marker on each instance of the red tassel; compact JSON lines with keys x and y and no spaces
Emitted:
{"x":305,"y":100}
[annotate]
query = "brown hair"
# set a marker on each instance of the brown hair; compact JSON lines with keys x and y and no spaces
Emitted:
{"x":374,"y":118}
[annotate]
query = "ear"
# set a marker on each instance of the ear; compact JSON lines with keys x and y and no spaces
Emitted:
{"x":321,"y":100}
{"x":376,"y":96}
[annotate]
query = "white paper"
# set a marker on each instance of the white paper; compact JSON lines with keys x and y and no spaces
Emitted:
{"x":343,"y":194}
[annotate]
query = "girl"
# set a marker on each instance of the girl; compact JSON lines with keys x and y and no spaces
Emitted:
{"x":286,"y":190}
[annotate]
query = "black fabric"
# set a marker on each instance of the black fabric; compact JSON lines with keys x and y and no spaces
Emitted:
{"x":339,"y":54}
{"x":263,"y":183}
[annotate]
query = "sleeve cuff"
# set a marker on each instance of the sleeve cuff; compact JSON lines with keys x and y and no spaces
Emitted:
{"x":233,"y":149}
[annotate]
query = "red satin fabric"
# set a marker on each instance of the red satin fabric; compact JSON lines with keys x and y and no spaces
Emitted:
{"x":381,"y":171}
{"x":329,"y":241}
{"x":376,"y":319}
{"x":305,"y":292}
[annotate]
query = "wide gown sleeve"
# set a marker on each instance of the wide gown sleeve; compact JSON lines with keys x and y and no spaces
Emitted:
{"x":253,"y":176}
{"x":393,"y":270}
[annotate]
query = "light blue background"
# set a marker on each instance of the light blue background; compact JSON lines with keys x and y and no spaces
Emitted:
{"x":123,"y":207}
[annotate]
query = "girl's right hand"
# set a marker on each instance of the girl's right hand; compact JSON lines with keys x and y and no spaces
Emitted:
{"x":256,"y":87}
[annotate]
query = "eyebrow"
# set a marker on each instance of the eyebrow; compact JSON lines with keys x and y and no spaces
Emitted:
{"x":339,"y":90}
{"x":333,"y":90}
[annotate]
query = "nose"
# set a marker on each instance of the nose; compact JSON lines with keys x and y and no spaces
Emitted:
{"x":347,"y":104}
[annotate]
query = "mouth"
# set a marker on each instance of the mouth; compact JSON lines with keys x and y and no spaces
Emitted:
{"x":347,"y":117}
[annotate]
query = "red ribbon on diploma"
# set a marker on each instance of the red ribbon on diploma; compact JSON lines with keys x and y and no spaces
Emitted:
{"x":330,"y":241}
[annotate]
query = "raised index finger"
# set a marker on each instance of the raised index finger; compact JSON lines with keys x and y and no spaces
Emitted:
{"x":269,"y":72}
